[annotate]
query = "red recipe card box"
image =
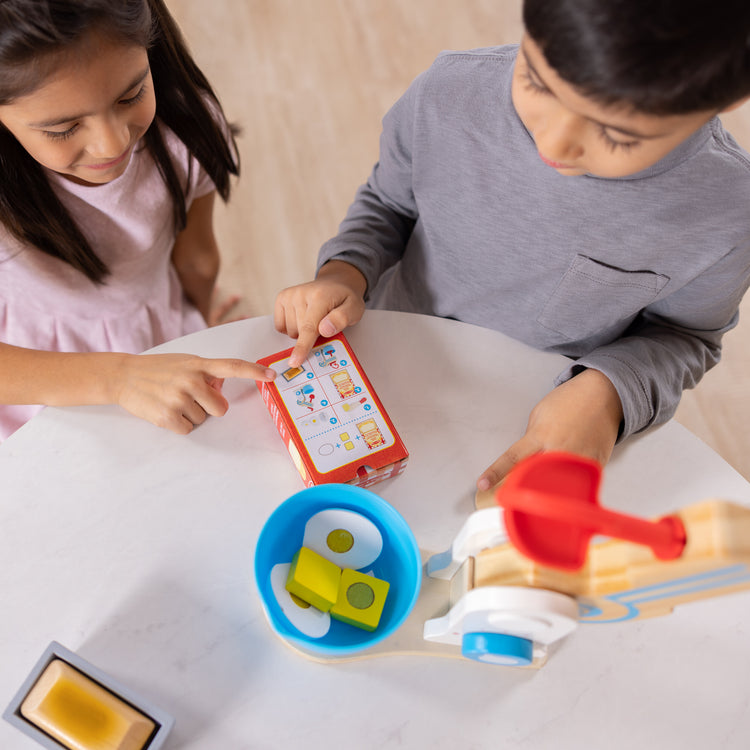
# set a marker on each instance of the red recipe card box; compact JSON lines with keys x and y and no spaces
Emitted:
{"x":330,"y":418}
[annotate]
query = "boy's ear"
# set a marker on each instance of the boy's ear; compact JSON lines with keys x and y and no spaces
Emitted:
{"x":736,"y":105}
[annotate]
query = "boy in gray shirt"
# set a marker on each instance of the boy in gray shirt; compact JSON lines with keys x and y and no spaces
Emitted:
{"x":576,"y":192}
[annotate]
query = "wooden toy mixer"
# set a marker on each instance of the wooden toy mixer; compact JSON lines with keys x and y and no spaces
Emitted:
{"x":516,"y":581}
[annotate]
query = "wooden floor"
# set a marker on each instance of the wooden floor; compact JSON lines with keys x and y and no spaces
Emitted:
{"x":309,"y":81}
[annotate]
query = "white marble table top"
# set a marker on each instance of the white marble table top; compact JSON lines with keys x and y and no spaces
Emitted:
{"x":133,"y":547}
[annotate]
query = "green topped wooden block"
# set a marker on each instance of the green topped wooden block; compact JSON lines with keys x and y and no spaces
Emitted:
{"x":314,"y":579}
{"x":361,"y":599}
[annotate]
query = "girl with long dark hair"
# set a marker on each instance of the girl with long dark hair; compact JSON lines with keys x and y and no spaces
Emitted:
{"x":112,"y":148}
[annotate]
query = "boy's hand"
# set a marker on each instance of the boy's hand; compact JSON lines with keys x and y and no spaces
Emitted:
{"x":178,"y":391}
{"x":580,"y":416}
{"x":323,"y":307}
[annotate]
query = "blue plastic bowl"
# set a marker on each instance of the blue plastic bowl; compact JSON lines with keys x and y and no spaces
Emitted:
{"x":399,"y":563}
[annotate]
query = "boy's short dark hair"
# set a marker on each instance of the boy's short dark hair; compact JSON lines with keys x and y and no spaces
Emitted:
{"x":658,"y":56}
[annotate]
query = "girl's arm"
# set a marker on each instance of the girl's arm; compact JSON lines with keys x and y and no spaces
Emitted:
{"x":175,"y":391}
{"x":196,"y":255}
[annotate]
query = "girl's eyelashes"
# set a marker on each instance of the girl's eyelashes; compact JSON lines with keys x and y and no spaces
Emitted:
{"x":64,"y":134}
{"x":135,"y":99}
{"x":61,"y":135}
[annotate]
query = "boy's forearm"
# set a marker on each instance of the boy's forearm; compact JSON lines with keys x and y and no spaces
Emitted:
{"x":581,"y":416}
{"x":29,"y":376}
{"x":604,"y":396}
{"x":650,"y":370}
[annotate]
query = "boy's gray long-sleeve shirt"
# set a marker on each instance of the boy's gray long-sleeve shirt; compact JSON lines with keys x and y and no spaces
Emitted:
{"x":638,"y":277}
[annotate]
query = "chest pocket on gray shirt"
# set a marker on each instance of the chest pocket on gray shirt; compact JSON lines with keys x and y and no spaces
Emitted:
{"x":593,"y":297}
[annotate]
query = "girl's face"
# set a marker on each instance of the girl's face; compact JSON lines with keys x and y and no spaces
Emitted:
{"x":85,"y":119}
{"x":575,"y":135}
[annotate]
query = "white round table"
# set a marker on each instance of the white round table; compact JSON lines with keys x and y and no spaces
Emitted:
{"x":133,"y":547}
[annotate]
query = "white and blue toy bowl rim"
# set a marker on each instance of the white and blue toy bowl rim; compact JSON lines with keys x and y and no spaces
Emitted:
{"x":399,"y":563}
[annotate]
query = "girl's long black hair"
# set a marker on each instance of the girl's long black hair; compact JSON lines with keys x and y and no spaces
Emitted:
{"x":33,"y":33}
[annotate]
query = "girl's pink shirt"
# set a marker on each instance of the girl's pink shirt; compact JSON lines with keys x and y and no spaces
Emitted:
{"x":46,"y":304}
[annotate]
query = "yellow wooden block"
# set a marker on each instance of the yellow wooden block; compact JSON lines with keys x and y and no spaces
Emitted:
{"x":80,"y":714}
{"x":314,"y":579}
{"x":361,"y":599}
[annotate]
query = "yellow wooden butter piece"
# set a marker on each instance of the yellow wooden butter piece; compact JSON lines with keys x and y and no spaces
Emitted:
{"x":81,"y":714}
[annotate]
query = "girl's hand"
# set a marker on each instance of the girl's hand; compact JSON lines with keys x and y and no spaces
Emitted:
{"x":580,"y":416}
{"x":322,"y":307}
{"x":178,"y":391}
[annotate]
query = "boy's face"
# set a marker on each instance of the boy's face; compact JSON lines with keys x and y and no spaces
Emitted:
{"x":83,"y":122}
{"x":575,"y":135}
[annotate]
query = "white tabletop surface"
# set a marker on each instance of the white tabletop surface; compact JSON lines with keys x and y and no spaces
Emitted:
{"x":133,"y":547}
